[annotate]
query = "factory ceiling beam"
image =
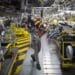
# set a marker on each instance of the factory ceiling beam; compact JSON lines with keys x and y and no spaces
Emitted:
{"x":11,"y":4}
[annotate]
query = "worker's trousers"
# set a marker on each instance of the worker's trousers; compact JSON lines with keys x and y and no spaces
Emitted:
{"x":36,"y":45}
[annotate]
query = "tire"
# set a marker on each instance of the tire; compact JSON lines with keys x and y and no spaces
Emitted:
{"x":69,"y":52}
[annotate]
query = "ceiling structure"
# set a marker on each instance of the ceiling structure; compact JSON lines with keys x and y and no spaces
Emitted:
{"x":65,"y":3}
{"x":18,"y":5}
{"x":11,"y":4}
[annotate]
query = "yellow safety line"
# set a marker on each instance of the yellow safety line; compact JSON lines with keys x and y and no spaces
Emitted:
{"x":19,"y":46}
{"x":22,"y":50}
{"x":21,"y":57}
{"x":9,"y":73}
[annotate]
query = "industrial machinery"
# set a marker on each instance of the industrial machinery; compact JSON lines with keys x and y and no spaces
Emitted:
{"x":64,"y":37}
{"x":14,"y":43}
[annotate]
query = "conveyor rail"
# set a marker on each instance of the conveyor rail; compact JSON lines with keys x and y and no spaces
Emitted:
{"x":8,"y":63}
{"x":7,"y":66}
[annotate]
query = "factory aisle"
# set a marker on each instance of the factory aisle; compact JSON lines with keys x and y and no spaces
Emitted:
{"x":29,"y":67}
{"x":51,"y":65}
{"x":48,"y":60}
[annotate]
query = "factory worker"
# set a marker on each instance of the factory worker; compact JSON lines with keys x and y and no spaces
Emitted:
{"x":35,"y":42}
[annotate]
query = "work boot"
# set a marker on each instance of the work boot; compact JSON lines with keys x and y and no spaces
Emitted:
{"x":33,"y":58}
{"x":38,"y":66}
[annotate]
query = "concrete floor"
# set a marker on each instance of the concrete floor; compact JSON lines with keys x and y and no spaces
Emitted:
{"x":48,"y":59}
